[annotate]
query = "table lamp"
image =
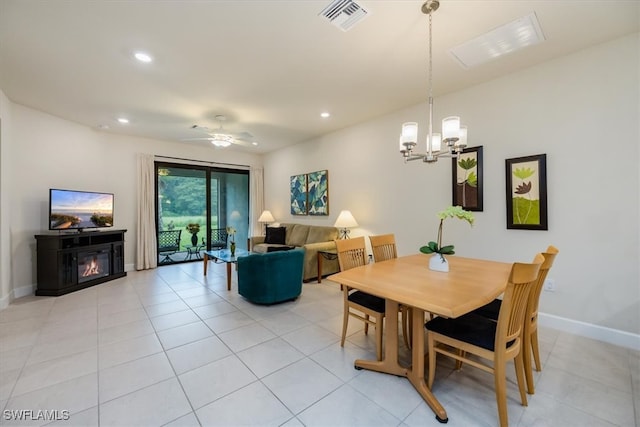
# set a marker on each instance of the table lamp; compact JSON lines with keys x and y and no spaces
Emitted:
{"x":344,"y":222}
{"x":266,"y":218}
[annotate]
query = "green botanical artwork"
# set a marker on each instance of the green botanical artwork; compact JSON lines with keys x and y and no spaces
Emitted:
{"x":525,"y":197}
{"x":299,"y":194}
{"x":318,"y":192}
{"x":467,"y":179}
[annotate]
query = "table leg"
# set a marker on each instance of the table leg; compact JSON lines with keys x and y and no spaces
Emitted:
{"x":319,"y":267}
{"x":389,"y":364}
{"x":415,"y":374}
{"x":206,"y":261}
{"x":228,"y":276}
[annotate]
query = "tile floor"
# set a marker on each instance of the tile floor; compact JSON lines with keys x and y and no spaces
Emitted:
{"x":171,"y":347}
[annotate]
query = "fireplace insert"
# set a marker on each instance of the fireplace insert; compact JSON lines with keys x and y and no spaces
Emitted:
{"x":93,"y":265}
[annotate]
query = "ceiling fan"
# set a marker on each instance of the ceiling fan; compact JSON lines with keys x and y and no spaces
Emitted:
{"x":221,"y":138}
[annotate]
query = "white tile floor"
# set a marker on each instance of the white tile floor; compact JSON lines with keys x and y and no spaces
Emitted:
{"x":171,"y":347}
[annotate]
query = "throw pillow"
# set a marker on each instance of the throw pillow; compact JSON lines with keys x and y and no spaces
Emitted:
{"x":279,"y":248}
{"x":275,"y":235}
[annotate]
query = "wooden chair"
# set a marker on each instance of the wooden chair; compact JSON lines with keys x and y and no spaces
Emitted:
{"x":352,"y":253}
{"x":168,"y":244}
{"x":497,"y":342}
{"x":530,"y":332}
{"x":384,"y":247}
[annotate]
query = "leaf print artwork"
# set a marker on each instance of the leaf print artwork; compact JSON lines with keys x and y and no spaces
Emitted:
{"x":526,"y":206}
{"x":526,"y":191}
{"x":466,"y":180}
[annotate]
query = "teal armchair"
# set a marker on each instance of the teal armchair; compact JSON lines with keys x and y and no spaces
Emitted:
{"x":272,"y":277}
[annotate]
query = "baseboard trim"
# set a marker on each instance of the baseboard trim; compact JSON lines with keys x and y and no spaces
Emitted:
{"x":5,"y":301}
{"x":23,"y":291}
{"x":589,"y":330}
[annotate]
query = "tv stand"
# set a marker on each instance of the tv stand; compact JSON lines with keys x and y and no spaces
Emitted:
{"x":70,"y":262}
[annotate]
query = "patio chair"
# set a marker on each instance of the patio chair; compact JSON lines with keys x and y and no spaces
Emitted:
{"x":168,"y":244}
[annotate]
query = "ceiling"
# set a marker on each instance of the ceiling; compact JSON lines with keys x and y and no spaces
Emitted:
{"x":271,"y":67}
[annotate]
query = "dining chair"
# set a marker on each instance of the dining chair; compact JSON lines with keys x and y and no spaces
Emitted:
{"x":497,"y":342}
{"x":360,"y":305}
{"x":530,"y":330}
{"x":384,"y":248}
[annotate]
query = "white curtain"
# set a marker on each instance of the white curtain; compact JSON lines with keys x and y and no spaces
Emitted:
{"x":256,"y":202}
{"x":146,"y":243}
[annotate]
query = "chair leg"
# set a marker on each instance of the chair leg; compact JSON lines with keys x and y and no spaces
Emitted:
{"x":536,"y":350}
{"x":501,"y":392}
{"x":525,"y":353}
{"x":520,"y":377}
{"x":432,"y":359}
{"x":379,"y":329}
{"x":366,"y":324}
{"x":406,"y":330}
{"x":345,"y":323}
{"x":461,"y":353}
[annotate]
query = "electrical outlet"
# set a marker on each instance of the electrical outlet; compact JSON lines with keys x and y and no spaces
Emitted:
{"x":550,"y":285}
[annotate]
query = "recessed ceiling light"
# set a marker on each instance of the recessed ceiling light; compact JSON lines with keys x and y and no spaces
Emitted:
{"x":325,"y":115}
{"x":143,"y":57}
{"x":123,"y":120}
{"x":254,"y":143}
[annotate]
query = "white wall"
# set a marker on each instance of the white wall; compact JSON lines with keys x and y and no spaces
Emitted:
{"x":48,"y":152}
{"x":5,"y":165}
{"x":581,"y":110}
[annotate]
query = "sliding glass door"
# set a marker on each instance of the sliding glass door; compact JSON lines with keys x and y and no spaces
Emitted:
{"x":194,"y":207}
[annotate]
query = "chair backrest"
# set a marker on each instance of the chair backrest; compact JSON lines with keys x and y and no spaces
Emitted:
{"x":383,"y":247}
{"x":219,"y":237}
{"x":534,"y":297}
{"x":351,"y":253}
{"x":515,"y":301}
{"x":169,"y":240}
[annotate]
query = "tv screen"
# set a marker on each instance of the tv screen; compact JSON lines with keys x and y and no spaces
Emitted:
{"x":76,"y":210}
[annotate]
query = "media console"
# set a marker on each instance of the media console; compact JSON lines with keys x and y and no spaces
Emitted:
{"x":74,"y":261}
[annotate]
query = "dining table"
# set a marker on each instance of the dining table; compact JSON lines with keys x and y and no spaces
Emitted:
{"x":407,"y":280}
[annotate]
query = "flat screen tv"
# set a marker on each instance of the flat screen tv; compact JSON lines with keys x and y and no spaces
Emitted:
{"x":78,"y":210}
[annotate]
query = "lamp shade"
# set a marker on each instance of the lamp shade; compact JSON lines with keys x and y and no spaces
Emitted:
{"x":451,"y":128}
{"x":345,"y":220}
{"x":436,"y":144}
{"x":266,"y":216}
{"x":409,"y":133}
{"x":462,"y":142}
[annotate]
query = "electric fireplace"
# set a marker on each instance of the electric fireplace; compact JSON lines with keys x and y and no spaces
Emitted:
{"x":69,"y":262}
{"x":93,"y":265}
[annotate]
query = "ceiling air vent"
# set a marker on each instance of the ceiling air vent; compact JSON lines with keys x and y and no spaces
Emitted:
{"x":344,"y":14}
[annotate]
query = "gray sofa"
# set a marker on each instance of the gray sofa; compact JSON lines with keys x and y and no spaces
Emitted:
{"x":312,"y":238}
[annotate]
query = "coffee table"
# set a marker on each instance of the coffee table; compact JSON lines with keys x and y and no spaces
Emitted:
{"x":224,"y":255}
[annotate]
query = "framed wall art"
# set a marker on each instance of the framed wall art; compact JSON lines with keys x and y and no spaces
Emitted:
{"x":318,"y":192}
{"x":466,"y":180}
{"x":298,"y":184}
{"x":527,"y":192}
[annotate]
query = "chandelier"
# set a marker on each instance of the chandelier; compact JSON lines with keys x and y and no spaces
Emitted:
{"x":453,"y":137}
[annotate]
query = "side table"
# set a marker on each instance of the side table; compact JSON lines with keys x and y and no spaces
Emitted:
{"x":194,"y":251}
{"x":329,"y":255}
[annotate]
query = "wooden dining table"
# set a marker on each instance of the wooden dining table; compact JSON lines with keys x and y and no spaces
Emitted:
{"x":469,"y":284}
